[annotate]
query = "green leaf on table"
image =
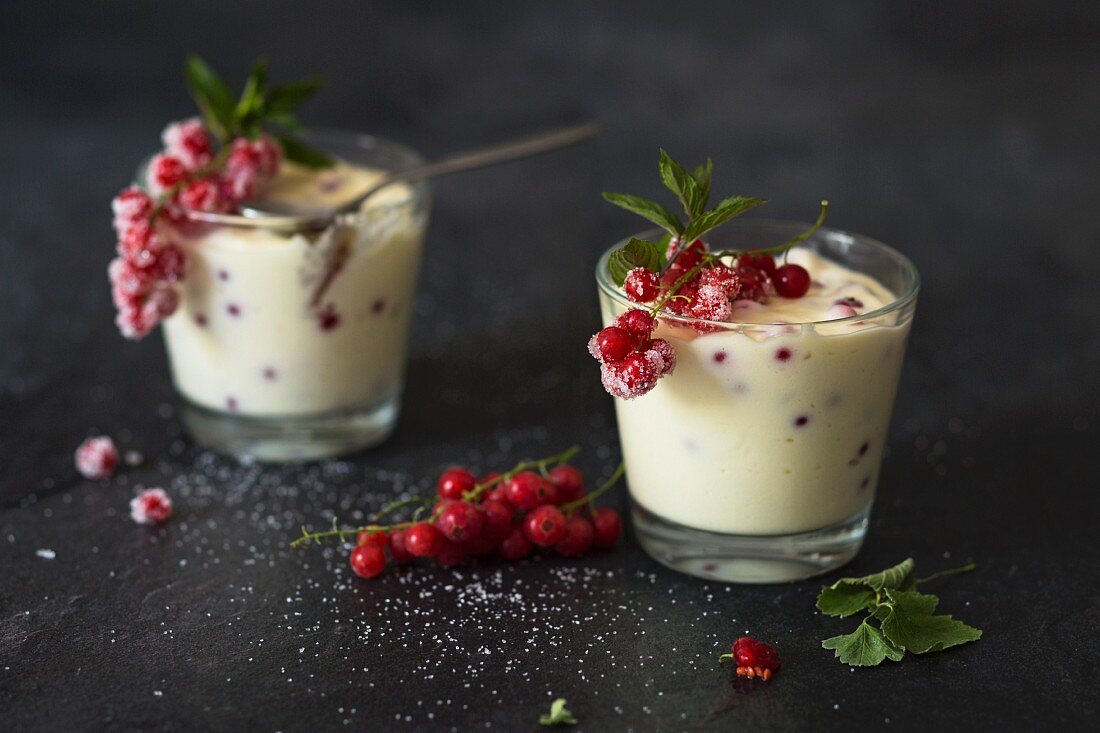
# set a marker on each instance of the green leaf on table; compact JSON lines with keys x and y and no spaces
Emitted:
{"x":910,"y":623}
{"x":891,"y":577}
{"x":864,"y":647}
{"x":844,"y":598}
{"x":559,"y":715}
{"x":635,"y":253}
{"x":297,"y":151}
{"x":211,"y":94}
{"x":720,"y":214}
{"x":649,"y":209}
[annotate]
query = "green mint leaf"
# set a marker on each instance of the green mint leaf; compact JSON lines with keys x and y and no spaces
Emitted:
{"x":285,"y":119}
{"x":299,"y":152}
{"x":212,"y":96}
{"x":651,"y":210}
{"x":844,"y":598}
{"x":635,"y":253}
{"x":250,"y":107}
{"x":889,"y":578}
{"x":681,"y":183}
{"x":720,"y":214}
{"x":864,"y":647}
{"x":702,"y":177}
{"x":558,"y":714}
{"x":288,"y":96}
{"x":910,"y":624}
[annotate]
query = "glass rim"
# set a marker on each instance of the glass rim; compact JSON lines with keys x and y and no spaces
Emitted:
{"x":418,"y":189}
{"x":605,"y":284}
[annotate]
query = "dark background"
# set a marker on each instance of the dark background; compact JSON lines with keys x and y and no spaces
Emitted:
{"x":965,"y":134}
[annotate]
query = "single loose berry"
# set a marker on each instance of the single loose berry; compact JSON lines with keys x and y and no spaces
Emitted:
{"x":523,"y":490}
{"x":459,"y":521}
{"x":398,"y":551}
{"x":792,"y":281}
{"x":641,"y":285}
{"x":570,"y":482}
{"x":516,"y":546}
{"x":498,"y":520}
{"x":376,"y":538}
{"x":546,"y":526}
{"x":454,"y":483}
{"x":578,"y":538}
{"x":423,"y":540}
{"x":611,"y":344}
{"x":636,"y":322}
{"x":96,"y":457}
{"x":754,"y":658}
{"x":608,"y":526}
{"x":152,"y":506}
{"x":368,"y":561}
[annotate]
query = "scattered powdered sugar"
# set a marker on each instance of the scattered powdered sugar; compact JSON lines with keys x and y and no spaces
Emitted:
{"x":46,"y":554}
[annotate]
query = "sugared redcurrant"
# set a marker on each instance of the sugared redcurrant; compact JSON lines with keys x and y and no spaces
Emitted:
{"x":641,"y":285}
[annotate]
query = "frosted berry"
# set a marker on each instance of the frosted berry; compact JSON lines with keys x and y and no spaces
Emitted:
{"x":523,"y":490}
{"x":637,"y":323}
{"x":96,"y":457}
{"x":152,"y":506}
{"x":241,"y":177}
{"x":608,"y":527}
{"x":611,"y":344}
{"x":638,"y":373}
{"x":188,"y":142}
{"x":454,"y":483}
{"x":202,"y":195}
{"x":570,"y":482}
{"x":368,"y":561}
{"x":578,"y":538}
{"x":165,"y":171}
{"x":545,"y":526}
{"x":516,"y":546}
{"x":459,"y":521}
{"x":641,"y":285}
{"x":423,"y":540}
{"x":792,"y":281}
{"x":667,"y":354}
{"x":129,"y":206}
{"x":722,"y":277}
{"x":711,"y":303}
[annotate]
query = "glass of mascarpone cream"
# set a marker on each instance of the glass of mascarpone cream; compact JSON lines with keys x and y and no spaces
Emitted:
{"x":757,"y":459}
{"x":291,"y":344}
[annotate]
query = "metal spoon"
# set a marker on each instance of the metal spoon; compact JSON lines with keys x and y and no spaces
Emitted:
{"x":287,"y":215}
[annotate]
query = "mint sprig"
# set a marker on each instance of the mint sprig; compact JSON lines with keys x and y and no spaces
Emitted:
{"x":906,"y":619}
{"x":559,"y":715}
{"x":259,"y":108}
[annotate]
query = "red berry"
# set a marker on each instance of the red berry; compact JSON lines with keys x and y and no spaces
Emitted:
{"x":637,"y":323}
{"x":763,"y":262}
{"x":368,"y":561}
{"x":96,"y":457}
{"x":523,"y":490}
{"x":721,"y":277}
{"x":152,"y":506}
{"x":755,"y":283}
{"x":459,"y":521}
{"x":611,"y":344}
{"x":202,"y":195}
{"x":690,"y":257}
{"x":165,"y":171}
{"x":130,"y":205}
{"x":638,"y":373}
{"x":450,"y":553}
{"x":498,"y":493}
{"x":188,"y":141}
{"x":792,"y":281}
{"x":367,"y":537}
{"x":546,"y":526}
{"x":398,"y":550}
{"x":423,"y":540}
{"x":479,"y":545}
{"x":578,"y":538}
{"x":666,"y":353}
{"x":570,"y":482}
{"x":608,"y":526}
{"x":498,"y":520}
{"x":454,"y":483}
{"x":641,"y":285}
{"x":748,"y":652}
{"x":516,"y":546}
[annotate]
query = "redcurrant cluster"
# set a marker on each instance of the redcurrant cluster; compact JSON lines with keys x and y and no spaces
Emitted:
{"x":631,"y":361}
{"x":187,"y":175}
{"x":761,"y":278}
{"x":507,"y":516}
{"x":754,"y":659}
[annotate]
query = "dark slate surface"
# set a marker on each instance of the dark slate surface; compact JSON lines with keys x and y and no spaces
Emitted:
{"x":964,"y":134}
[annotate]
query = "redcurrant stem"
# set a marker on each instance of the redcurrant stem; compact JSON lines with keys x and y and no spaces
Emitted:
{"x":724,"y":657}
{"x":539,"y":464}
{"x":943,"y":573}
{"x":595,"y":494}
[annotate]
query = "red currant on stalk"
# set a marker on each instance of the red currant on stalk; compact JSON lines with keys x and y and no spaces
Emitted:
{"x":611,"y":344}
{"x":367,"y":537}
{"x":578,"y":537}
{"x":636,"y":322}
{"x":690,"y":257}
{"x":367,"y":561}
{"x":450,"y":553}
{"x":792,"y":281}
{"x":546,"y":526}
{"x":608,"y":526}
{"x":423,"y":540}
{"x":570,"y":482}
{"x":454,"y":483}
{"x":761,"y":261}
{"x":398,"y":551}
{"x":523,"y":490}
{"x":460,"y":521}
{"x":516,"y":546}
{"x":498,"y":520}
{"x":641,"y":285}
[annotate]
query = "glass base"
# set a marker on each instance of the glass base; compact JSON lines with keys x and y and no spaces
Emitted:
{"x":747,"y":558}
{"x":291,"y":438}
